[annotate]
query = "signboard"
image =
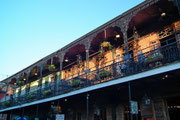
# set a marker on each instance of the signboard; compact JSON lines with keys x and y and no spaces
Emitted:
{"x":134,"y":107}
{"x":59,"y":116}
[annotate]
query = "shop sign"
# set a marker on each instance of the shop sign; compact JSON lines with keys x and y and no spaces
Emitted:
{"x":59,"y":116}
{"x":134,"y":107}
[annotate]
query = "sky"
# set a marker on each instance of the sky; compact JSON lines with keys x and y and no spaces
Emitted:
{"x":33,"y":29}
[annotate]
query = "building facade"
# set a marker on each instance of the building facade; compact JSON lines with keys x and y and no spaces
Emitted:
{"x":126,"y":69}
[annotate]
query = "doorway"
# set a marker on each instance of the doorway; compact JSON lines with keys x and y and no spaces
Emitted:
{"x":174,"y":108}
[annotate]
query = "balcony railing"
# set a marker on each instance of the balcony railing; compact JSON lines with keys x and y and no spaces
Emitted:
{"x":108,"y":71}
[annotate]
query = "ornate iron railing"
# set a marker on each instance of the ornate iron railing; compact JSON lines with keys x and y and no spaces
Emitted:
{"x":152,"y":58}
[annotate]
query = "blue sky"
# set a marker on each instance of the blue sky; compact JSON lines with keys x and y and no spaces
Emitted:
{"x":33,"y":29}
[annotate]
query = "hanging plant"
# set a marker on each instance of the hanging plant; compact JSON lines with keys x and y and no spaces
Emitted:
{"x":106,"y":45}
{"x":20,"y":83}
{"x":154,"y":58}
{"x":6,"y":103}
{"x":30,"y":96}
{"x":105,"y":73}
{"x":52,"y":67}
{"x":47,"y":92}
{"x":76,"y":82}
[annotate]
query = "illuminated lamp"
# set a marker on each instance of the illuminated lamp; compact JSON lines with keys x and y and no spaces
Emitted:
{"x":163,"y":14}
{"x":118,"y":36}
{"x":66,"y":60}
{"x":35,"y":73}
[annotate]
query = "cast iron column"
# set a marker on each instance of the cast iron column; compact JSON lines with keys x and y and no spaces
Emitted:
{"x":129,"y":87}
{"x":40,"y":80}
{"x":7,"y":85}
{"x":87,"y":47}
{"x":61,"y":59}
{"x":27,"y":80}
{"x":87,"y":106}
{"x":10,"y":115}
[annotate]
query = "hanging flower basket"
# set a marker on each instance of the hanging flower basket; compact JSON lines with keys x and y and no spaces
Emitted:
{"x":6,"y":103}
{"x":20,"y":83}
{"x":103,"y":74}
{"x":106,"y":45}
{"x":52,"y":67}
{"x":47,"y":92}
{"x":154,"y":58}
{"x":76,"y":82}
{"x":30,"y":96}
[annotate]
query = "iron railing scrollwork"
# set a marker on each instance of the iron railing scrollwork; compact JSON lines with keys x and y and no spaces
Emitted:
{"x":150,"y":59}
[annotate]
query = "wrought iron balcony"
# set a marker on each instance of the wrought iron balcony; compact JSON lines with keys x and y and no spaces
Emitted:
{"x":108,"y":71}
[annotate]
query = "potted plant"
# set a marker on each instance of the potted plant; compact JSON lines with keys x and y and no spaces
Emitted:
{"x":103,"y":74}
{"x":47,"y":92}
{"x":29,"y":96}
{"x":154,"y":58}
{"x":6,"y":103}
{"x":20,"y":83}
{"x":52,"y":67}
{"x":76,"y":82}
{"x":106,"y":45}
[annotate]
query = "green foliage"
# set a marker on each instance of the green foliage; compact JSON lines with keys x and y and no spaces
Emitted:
{"x":6,"y":103}
{"x":106,"y":45}
{"x":103,"y":74}
{"x":20,"y":83}
{"x":154,"y":58}
{"x":47,"y":92}
{"x":76,"y":82}
{"x":29,"y":96}
{"x":52,"y":67}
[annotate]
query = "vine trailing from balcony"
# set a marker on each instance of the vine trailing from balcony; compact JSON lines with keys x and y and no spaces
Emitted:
{"x":52,"y":67}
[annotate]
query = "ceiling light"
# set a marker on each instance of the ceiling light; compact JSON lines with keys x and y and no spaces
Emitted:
{"x":66,"y":60}
{"x":35,"y":73}
{"x":163,"y":14}
{"x":118,"y":36}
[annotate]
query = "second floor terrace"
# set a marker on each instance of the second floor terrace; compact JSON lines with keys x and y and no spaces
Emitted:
{"x":106,"y":55}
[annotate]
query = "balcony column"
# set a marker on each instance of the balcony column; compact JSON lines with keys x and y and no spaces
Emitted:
{"x":61,"y":59}
{"x":27,"y":80}
{"x":16,"y":86}
{"x":87,"y":47}
{"x":177,"y":2}
{"x":125,"y":42}
{"x":130,"y":99}
{"x":19,"y":92}
{"x":7,"y":85}
{"x":40,"y":80}
{"x":87,"y":106}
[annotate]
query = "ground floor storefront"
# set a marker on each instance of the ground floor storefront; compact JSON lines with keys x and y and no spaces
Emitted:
{"x":152,"y":98}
